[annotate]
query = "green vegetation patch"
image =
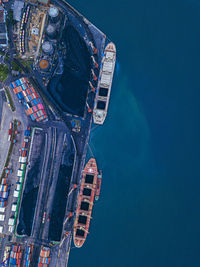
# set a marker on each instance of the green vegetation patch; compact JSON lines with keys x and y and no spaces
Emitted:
{"x":4,"y":71}
{"x":10,"y":99}
{"x":26,"y":63}
{"x":15,"y":66}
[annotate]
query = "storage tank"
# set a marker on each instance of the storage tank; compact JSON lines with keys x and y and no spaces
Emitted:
{"x":51,"y":31}
{"x":44,"y":64}
{"x":47,"y":47}
{"x":54,"y":14}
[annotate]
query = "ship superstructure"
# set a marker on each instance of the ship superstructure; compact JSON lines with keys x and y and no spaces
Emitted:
{"x":104,"y":84}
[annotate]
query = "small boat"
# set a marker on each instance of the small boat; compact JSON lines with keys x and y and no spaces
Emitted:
{"x":85,"y":203}
{"x":104,"y":85}
{"x":98,"y":188}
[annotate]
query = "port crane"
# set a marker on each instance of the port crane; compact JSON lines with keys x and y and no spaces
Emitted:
{"x":93,"y":47}
{"x":74,"y":187}
{"x":94,"y":61}
{"x":92,"y":87}
{"x":88,"y":107}
{"x":93,"y":75}
{"x":68,"y":217}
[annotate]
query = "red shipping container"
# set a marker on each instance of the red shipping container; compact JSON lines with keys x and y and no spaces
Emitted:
{"x":33,"y":95}
{"x":35,"y":109}
{"x":32,"y":89}
{"x":30,"y":111}
{"x":28,"y":91}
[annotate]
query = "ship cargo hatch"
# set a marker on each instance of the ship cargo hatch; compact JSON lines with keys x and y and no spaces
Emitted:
{"x":89,"y":179}
{"x":101,"y":105}
{"x":80,"y":232}
{"x":103,"y":91}
{"x":84,"y":206}
{"x":87,"y":192}
{"x":82,"y":219}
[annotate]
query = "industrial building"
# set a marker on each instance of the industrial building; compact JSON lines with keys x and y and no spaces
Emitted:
{"x":3,"y":30}
{"x":17,"y":10}
{"x":44,"y":2}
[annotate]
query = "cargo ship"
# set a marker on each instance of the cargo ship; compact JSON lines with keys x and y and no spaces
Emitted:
{"x":98,"y":188}
{"x":104,"y":84}
{"x":85,"y":203}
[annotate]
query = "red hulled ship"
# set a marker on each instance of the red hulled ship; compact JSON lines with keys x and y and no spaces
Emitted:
{"x":85,"y":202}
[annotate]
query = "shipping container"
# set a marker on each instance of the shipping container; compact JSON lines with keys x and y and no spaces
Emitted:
{"x":12,"y":86}
{"x":24,"y":93}
{"x":21,"y":80}
{"x":35,"y":109}
{"x":32,"y":117}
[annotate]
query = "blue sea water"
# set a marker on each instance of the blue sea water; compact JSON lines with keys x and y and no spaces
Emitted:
{"x":148,"y":214}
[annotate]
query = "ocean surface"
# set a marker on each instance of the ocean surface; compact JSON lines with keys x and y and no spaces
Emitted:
{"x":148,"y":214}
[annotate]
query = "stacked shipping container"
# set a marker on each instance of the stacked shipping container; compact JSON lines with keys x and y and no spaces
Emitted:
{"x":27,"y":256}
{"x":33,"y":105}
{"x":15,"y":256}
{"x":24,"y":150}
{"x":44,"y":259}
{"x":6,"y":256}
{"x":4,"y":192}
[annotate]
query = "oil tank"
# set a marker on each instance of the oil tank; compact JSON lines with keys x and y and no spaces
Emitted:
{"x":54,"y":14}
{"x":51,"y":31}
{"x":44,"y":65}
{"x":47,"y":48}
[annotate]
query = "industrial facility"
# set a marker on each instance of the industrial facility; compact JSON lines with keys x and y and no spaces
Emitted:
{"x":47,"y":191}
{"x":3,"y":29}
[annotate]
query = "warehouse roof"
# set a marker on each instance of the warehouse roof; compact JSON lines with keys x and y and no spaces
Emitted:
{"x":17,"y":10}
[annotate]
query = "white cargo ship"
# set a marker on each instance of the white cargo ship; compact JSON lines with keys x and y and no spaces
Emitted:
{"x":104,"y":84}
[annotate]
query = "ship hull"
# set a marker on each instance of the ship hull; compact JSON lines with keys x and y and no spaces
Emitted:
{"x":104,"y":85}
{"x":85,"y":203}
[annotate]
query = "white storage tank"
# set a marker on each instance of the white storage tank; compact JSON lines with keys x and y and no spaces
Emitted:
{"x":51,"y":31}
{"x":54,"y":14}
{"x":47,"y":48}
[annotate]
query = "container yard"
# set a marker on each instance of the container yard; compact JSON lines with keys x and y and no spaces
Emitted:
{"x":32,"y":102}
